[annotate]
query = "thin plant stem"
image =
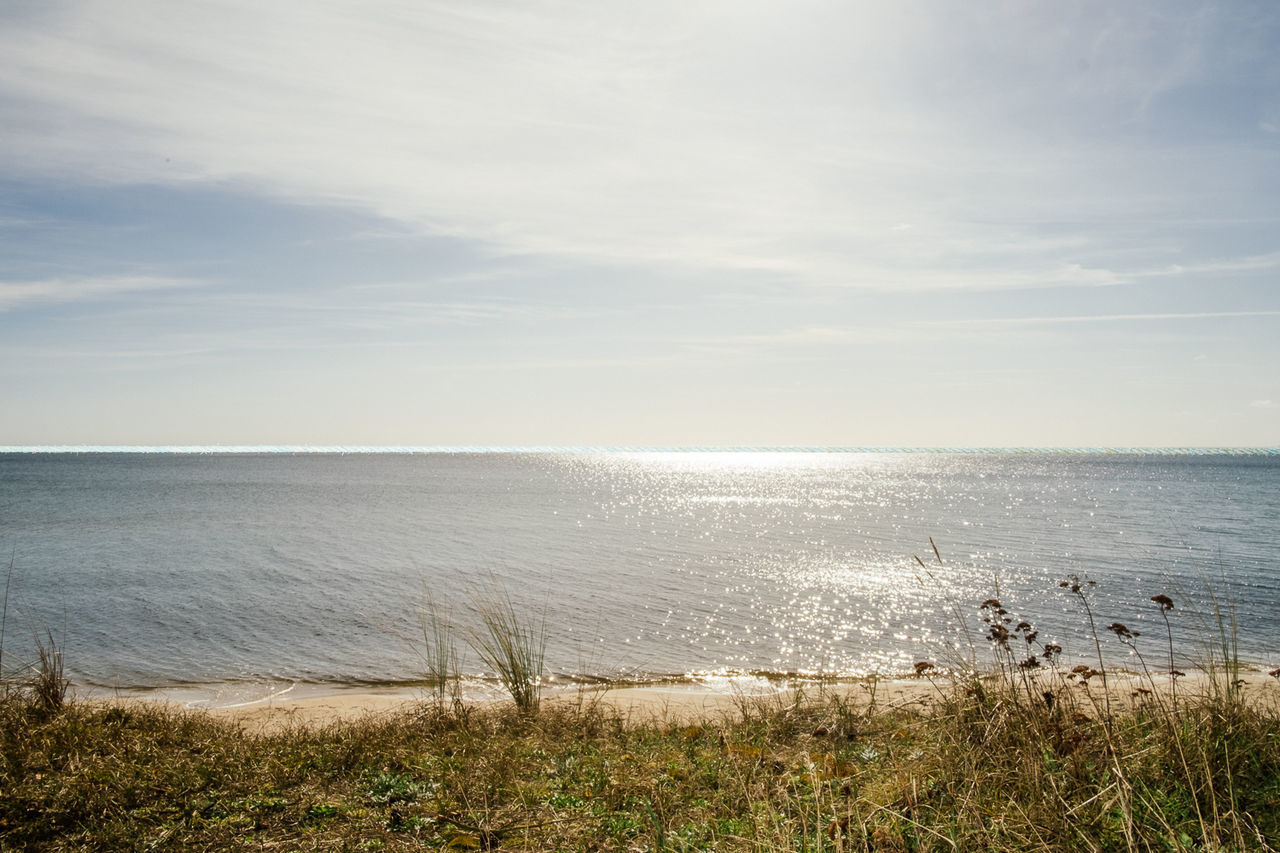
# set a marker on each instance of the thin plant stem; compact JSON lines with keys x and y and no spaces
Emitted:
{"x":4,"y":616}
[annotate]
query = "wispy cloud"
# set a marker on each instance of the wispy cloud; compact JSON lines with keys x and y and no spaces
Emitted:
{"x":76,"y":289}
{"x":1101,"y":318}
{"x":838,"y":338}
{"x":1248,"y":263}
{"x":23,"y":221}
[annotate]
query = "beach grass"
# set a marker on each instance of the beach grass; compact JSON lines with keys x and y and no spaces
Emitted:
{"x":987,"y":769}
{"x":439,"y":652}
{"x":511,"y":644}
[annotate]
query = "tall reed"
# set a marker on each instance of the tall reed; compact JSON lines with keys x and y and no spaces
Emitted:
{"x":41,"y":682}
{"x":440,"y":651}
{"x":511,"y":644}
{"x":48,"y":683}
{"x":4,"y":621}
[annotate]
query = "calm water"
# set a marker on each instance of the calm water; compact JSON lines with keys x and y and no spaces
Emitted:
{"x":164,"y":569}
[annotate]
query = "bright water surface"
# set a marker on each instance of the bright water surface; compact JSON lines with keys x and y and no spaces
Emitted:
{"x":156,"y":570}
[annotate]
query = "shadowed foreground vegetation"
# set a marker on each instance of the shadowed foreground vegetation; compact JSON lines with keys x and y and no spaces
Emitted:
{"x":987,"y":765}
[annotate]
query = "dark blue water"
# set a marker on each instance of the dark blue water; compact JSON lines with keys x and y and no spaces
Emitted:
{"x":163,"y":569}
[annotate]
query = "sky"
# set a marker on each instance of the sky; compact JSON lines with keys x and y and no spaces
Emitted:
{"x":661,"y":224}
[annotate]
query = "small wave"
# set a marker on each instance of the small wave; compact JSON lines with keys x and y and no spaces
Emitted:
{"x":261,"y":700}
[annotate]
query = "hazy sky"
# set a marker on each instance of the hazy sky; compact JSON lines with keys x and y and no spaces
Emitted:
{"x":894,"y":223}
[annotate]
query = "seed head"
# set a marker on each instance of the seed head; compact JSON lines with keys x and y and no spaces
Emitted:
{"x":1073,"y":583}
{"x":1165,"y":602}
{"x":1085,"y":672}
{"x":999,"y":634}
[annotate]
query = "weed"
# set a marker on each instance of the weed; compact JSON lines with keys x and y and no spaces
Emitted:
{"x":440,"y":652}
{"x":48,"y":681}
{"x":1165,"y":603}
{"x":41,"y":683}
{"x":1078,"y":588}
{"x":512,"y":646}
{"x":4,"y":622}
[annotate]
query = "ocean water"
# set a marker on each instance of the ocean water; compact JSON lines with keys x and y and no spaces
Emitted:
{"x":158,"y":570}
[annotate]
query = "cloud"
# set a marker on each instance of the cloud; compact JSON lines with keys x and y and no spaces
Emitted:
{"x":77,"y":289}
{"x":1102,"y":318}
{"x":1264,"y":404}
{"x":748,"y":137}
{"x":1022,"y":275}
{"x":1249,"y":263}
{"x":23,"y":221}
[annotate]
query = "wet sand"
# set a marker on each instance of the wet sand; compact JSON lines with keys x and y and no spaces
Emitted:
{"x":266,"y":709}
{"x":679,"y":702}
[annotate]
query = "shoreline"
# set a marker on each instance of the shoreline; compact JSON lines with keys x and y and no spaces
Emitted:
{"x":671,"y":702}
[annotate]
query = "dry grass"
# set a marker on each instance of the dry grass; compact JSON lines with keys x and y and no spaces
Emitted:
{"x":40,"y":683}
{"x":47,"y":683}
{"x":973,"y":771}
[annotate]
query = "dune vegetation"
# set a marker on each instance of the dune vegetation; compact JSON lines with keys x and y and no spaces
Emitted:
{"x":1023,"y":754}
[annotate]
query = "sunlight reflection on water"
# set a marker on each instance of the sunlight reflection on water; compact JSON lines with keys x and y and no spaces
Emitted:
{"x":177,"y":568}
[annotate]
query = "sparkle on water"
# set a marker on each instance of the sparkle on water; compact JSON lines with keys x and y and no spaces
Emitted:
{"x":221,"y":567}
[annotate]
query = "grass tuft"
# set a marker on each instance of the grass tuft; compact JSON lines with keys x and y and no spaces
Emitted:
{"x":513,"y":646}
{"x":48,"y":682}
{"x":40,"y":683}
{"x":440,"y":652}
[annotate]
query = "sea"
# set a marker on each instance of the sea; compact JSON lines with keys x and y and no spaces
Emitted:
{"x":236,"y":573}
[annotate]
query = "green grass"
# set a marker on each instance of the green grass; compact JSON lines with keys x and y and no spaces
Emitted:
{"x":969,"y":772}
{"x":510,"y":644}
{"x":439,"y":652}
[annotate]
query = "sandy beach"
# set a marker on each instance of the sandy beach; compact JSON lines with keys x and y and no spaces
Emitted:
{"x":676,"y":702}
{"x":268,"y":708}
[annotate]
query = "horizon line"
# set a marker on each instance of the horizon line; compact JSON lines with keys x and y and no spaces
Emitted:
{"x":214,"y":449}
